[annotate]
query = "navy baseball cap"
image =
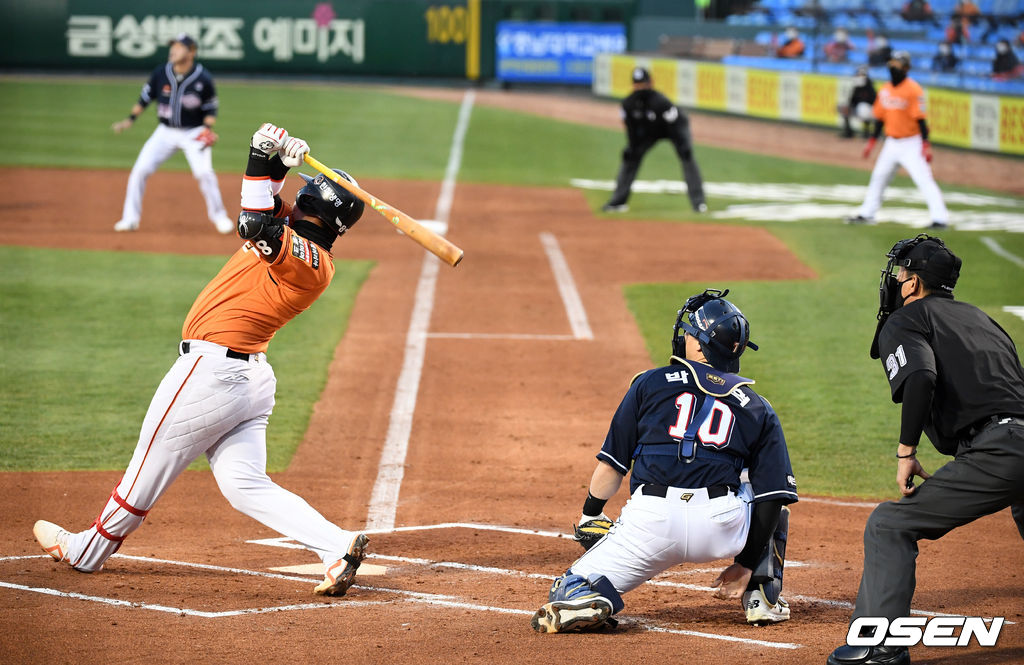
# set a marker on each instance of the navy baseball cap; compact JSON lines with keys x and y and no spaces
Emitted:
{"x":184,"y":39}
{"x":641,"y":75}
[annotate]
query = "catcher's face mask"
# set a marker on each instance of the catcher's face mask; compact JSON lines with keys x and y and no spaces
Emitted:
{"x":942,"y":274}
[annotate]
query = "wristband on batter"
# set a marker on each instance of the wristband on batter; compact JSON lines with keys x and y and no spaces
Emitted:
{"x":593,"y":505}
{"x":911,"y":455}
{"x":132,"y":117}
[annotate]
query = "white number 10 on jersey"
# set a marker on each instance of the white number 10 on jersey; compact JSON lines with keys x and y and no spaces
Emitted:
{"x":716,"y":428}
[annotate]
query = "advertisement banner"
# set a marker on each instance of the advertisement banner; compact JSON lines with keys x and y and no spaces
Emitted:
{"x":378,"y":37}
{"x":818,"y":96}
{"x":554,"y":52}
{"x":763,"y":94}
{"x":949,"y":117}
{"x":1011,"y":125}
{"x":711,"y":92}
{"x":985,"y":122}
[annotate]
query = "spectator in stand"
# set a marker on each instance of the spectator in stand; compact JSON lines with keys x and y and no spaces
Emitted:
{"x":860,"y":105}
{"x":1019,"y":42}
{"x":945,"y":60}
{"x":838,"y":50}
{"x":965,"y":9}
{"x":958,"y":31}
{"x":879,"y":52}
{"x":917,"y":11}
{"x":793,"y":47}
{"x":1006,"y":65}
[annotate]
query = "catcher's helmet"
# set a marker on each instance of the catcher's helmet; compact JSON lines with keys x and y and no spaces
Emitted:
{"x":330,"y":202}
{"x":718,"y":325}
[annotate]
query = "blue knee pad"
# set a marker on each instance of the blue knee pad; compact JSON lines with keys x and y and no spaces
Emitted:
{"x":573,"y":587}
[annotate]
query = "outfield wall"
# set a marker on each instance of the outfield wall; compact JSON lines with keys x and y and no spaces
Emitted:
{"x":967,"y":120}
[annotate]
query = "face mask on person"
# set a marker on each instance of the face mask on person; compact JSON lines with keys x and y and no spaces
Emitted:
{"x":840,"y":36}
{"x":1002,"y":47}
{"x":791,"y":33}
{"x":881,"y":42}
{"x":944,"y":49}
{"x":860,"y":80}
{"x":897,"y":75}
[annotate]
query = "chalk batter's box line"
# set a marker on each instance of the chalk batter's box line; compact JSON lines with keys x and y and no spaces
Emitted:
{"x":407,"y":596}
{"x":828,"y":602}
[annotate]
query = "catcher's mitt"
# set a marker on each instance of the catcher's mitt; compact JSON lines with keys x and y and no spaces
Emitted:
{"x":591,"y":531}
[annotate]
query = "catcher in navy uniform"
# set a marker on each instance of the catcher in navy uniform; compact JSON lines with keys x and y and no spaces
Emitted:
{"x":649,"y":117}
{"x":687,"y":431}
{"x":958,"y":376}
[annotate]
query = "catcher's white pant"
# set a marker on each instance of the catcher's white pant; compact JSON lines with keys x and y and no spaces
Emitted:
{"x":906,"y":153}
{"x":653,"y":534}
{"x":161,"y":146}
{"x":207,"y":403}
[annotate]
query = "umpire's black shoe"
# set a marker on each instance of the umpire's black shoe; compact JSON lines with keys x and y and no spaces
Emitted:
{"x":847,"y":655}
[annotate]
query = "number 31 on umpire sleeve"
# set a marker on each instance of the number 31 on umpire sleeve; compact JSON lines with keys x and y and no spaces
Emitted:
{"x":715,"y":431}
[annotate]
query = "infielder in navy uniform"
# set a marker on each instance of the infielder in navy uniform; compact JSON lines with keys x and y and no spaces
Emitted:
{"x":649,"y":116}
{"x":687,"y":431}
{"x":186,"y":107}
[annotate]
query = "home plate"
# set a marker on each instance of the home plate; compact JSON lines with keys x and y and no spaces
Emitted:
{"x":435,"y":225}
{"x":365,"y":569}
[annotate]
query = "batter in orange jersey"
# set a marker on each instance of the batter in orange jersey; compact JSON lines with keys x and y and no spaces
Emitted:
{"x":900,"y":110}
{"x":217,"y":398}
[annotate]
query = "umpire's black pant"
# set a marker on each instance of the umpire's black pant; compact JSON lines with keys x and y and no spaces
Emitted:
{"x":679,"y":135}
{"x":986,"y":476}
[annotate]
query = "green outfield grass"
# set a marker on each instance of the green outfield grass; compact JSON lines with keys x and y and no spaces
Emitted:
{"x":813,"y":366}
{"x":85,"y":338}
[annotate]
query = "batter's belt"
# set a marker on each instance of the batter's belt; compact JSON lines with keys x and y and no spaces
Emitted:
{"x":230,"y":353}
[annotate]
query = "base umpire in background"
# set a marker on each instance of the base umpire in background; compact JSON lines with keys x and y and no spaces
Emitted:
{"x":649,"y":117}
{"x":958,"y":375}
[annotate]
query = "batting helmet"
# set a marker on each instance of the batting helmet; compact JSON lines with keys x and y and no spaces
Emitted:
{"x":718,"y":325}
{"x":330,"y":202}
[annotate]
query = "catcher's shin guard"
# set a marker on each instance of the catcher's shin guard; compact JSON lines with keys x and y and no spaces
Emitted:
{"x":767,"y":576}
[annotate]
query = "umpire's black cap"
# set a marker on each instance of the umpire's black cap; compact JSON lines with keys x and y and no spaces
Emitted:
{"x":641,"y":75}
{"x":938,"y":267}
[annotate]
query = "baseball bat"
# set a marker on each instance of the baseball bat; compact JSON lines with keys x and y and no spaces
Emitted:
{"x":432,"y":242}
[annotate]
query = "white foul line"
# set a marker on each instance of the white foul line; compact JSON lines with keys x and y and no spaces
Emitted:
{"x":998,"y":250}
{"x":567,"y":288}
{"x":390,"y":471}
{"x":455,"y":335}
{"x":1016,"y":311}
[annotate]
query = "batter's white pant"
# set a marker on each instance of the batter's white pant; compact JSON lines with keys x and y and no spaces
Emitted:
{"x":207,"y":403}
{"x":161,"y":146}
{"x":906,"y":153}
{"x":653,"y":534}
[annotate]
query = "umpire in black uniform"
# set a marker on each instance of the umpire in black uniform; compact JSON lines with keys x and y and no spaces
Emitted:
{"x":649,"y":117}
{"x":958,"y":375}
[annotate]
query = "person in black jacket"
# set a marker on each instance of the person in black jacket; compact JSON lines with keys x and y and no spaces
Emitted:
{"x":649,"y":117}
{"x":957,"y":374}
{"x":945,"y":60}
{"x":862,"y":99}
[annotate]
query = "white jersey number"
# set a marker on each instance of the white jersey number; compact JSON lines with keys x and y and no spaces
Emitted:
{"x":714,"y":431}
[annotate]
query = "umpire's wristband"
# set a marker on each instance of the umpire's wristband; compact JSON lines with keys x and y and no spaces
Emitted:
{"x":593,"y":505}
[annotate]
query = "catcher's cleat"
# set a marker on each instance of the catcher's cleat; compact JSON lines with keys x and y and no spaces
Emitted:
{"x":52,"y":538}
{"x":340,"y":575}
{"x":858,"y":219}
{"x":938,"y":225}
{"x":760,"y":612}
{"x":847,"y":655}
{"x":585,"y":614}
